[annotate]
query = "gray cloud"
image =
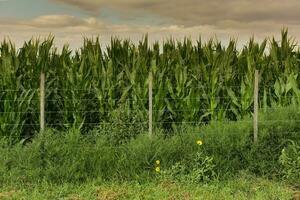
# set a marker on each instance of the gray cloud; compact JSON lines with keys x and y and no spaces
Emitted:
{"x":89,"y":5}
{"x":52,"y":22}
{"x":71,"y":29}
{"x":223,"y":18}
{"x":196,"y":12}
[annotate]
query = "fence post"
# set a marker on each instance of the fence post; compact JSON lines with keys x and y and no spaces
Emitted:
{"x":255,"y":114}
{"x":150,"y":84}
{"x":42,"y":101}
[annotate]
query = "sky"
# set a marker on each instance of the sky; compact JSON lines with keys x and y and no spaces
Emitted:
{"x":71,"y":20}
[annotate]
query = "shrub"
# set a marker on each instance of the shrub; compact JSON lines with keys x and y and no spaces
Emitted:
{"x":123,"y":125}
{"x":226,"y":142}
{"x":277,"y":126}
{"x":200,"y":169}
{"x":290,"y":161}
{"x":227,"y":149}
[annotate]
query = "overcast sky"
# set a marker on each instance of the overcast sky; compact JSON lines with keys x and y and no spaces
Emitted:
{"x":70,"y":20}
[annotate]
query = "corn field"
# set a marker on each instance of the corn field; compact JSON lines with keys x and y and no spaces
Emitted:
{"x":192,"y":82}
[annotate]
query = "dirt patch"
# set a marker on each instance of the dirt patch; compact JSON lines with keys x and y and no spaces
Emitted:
{"x":74,"y":197}
{"x":296,"y":195}
{"x":174,"y":191}
{"x":111,"y":194}
{"x":182,"y":196}
{"x":7,"y":195}
{"x":168,"y":185}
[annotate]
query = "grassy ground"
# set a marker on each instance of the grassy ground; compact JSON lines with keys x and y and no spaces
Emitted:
{"x":52,"y":164}
{"x":244,"y":187}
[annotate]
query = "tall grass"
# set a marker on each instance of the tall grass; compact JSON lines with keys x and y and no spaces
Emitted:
{"x":73,"y":157}
{"x":192,"y":82}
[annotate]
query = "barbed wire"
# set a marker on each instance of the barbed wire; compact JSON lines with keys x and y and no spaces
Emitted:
{"x":100,"y":133}
{"x":146,"y":122}
{"x":145,"y":109}
{"x":136,"y":99}
{"x":94,"y":89}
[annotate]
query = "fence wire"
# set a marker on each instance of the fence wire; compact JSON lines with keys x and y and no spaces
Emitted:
{"x":63,"y":117}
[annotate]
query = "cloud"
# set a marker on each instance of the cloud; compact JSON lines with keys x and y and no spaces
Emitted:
{"x":71,"y":29}
{"x":239,"y":17}
{"x":94,"y":6}
{"x":50,"y":22}
{"x":53,"y":21}
{"x":89,"y":5}
{"x":199,"y":12}
{"x":177,"y":18}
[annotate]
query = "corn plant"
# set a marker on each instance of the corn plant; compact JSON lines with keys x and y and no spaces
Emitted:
{"x":194,"y":82}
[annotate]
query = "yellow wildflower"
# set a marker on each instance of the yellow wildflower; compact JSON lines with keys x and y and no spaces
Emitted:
{"x":157,"y":169}
{"x":199,"y":142}
{"x":157,"y":162}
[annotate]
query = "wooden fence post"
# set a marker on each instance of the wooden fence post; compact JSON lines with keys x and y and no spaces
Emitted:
{"x":150,"y":111}
{"x":42,"y":101}
{"x":255,"y":114}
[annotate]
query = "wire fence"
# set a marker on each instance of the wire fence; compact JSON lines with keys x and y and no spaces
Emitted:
{"x":74,"y":110}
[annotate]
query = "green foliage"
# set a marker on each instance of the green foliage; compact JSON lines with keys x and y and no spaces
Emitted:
{"x":198,"y":170}
{"x":123,"y":125}
{"x":277,"y":126}
{"x":194,"y":82}
{"x":241,"y":187}
{"x":227,"y":142}
{"x":59,"y":157}
{"x":227,"y":148}
{"x":290,"y":160}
